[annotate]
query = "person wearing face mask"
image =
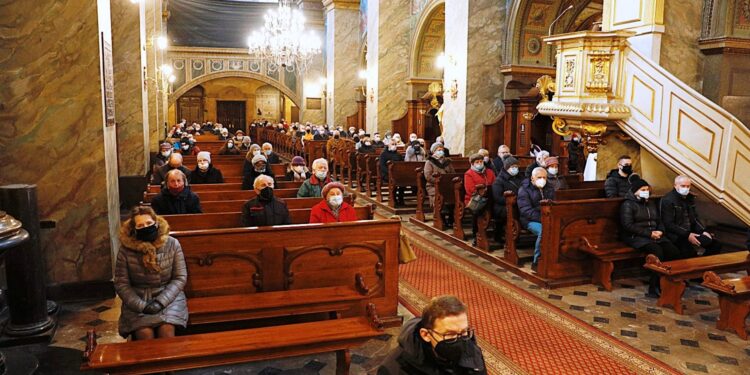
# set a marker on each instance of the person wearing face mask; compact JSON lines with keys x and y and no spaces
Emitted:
{"x":357,"y":142}
{"x":165,"y":150}
{"x":150,"y":275}
{"x":415,"y":152}
{"x":438,"y":163}
{"x":175,"y":197}
{"x":187,"y":147}
{"x":440,"y":342}
{"x":538,"y":162}
{"x":245,"y":145}
{"x":313,"y":186}
{"x":553,"y":173}
{"x":204,"y":172}
{"x":321,"y":134}
{"x":508,"y":180}
{"x":477,"y":175}
{"x":487,"y":161}
{"x":297,"y":170}
{"x":617,"y":185}
{"x":174,"y":162}
{"x":247,"y":166}
{"x":575,"y":153}
{"x":335,"y":142}
{"x":272,"y":157}
{"x":229,"y":148}
{"x":264,"y":209}
{"x":530,"y":195}
{"x":308,"y":136}
{"x":332,"y":209}
{"x":642,"y":228}
{"x":376,"y":141}
{"x":260,"y":166}
{"x":391,"y":154}
{"x":352,"y":132}
{"x":397,"y":137}
{"x":224,"y":134}
{"x":681,"y":222}
{"x":367,"y":146}
{"x":238,"y":135}
{"x":497,"y":162}
{"x":441,"y":139}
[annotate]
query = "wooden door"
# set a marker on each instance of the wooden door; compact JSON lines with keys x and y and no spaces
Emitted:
{"x":295,"y":114}
{"x":231,"y":113}
{"x":190,"y":106}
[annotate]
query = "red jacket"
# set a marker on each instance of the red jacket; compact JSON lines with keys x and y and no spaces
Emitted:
{"x":472,"y":179}
{"x":321,"y":213}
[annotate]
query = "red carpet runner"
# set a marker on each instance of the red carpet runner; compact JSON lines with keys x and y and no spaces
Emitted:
{"x":518,"y":332}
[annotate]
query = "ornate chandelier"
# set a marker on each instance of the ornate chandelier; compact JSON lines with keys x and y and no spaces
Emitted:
{"x":283,"y":42}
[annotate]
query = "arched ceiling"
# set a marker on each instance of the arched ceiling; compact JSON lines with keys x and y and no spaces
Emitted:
{"x":430,"y":44}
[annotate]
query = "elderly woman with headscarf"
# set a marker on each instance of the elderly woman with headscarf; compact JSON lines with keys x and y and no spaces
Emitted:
{"x":437,"y":163}
{"x":297,"y":170}
{"x":259,"y":166}
{"x":150,"y":275}
{"x":333,"y":209}
{"x":204,"y":172}
{"x":229,"y":148}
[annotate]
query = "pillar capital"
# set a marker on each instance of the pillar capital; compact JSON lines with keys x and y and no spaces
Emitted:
{"x":341,"y":4}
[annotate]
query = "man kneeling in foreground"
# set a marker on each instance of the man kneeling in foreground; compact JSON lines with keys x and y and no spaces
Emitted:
{"x":440,"y":342}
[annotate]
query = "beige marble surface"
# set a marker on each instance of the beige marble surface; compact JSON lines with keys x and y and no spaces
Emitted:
{"x":393,"y":61}
{"x":154,"y":59}
{"x":51,"y":116}
{"x":484,"y":88}
{"x":126,"y":55}
{"x":680,"y":54}
{"x":343,"y":62}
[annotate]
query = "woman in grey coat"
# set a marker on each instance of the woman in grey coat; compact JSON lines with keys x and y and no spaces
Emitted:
{"x":437,"y":163}
{"x":150,"y":276}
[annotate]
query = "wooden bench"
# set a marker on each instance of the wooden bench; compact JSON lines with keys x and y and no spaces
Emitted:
{"x":229,"y":186}
{"x":230,"y":195}
{"x":444,"y":196}
{"x":236,"y":205}
{"x":460,"y":211}
{"x":401,"y":175}
{"x":422,"y":192}
{"x":674,"y":273}
{"x":234,"y":219}
{"x":734,"y":301}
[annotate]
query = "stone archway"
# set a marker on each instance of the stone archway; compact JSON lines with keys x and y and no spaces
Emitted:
{"x":428,"y":41}
{"x":239,"y":74}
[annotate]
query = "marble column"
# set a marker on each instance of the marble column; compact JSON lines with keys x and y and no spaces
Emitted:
{"x":155,"y":57}
{"x":128,"y":37}
{"x":373,"y":47}
{"x":55,"y":129}
{"x":342,"y":59}
{"x":455,"y":74}
{"x":394,"y":26}
{"x":311,"y":86}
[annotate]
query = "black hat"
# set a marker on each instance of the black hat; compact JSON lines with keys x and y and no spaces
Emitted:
{"x":636,"y":182}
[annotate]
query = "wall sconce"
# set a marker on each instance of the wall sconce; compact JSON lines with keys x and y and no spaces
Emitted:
{"x":363,"y":76}
{"x":323,"y":86}
{"x":164,"y":78}
{"x":453,"y":90}
{"x":372,"y":95}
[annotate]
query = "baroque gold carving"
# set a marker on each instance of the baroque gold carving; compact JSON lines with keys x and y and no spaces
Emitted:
{"x":560,"y":127}
{"x":436,"y":89}
{"x":598,"y":82}
{"x":546,"y":85}
{"x":569,"y":75}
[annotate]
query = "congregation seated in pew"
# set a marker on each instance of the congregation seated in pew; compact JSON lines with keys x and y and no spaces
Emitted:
{"x":313,"y":186}
{"x":150,"y":275}
{"x":259,"y":167}
{"x":486,"y":159}
{"x":437,"y":163}
{"x":265,"y":209}
{"x":415,"y":151}
{"x":553,"y":176}
{"x":507,"y":180}
{"x":478,"y":175}
{"x":530,"y":195}
{"x":682,"y":225}
{"x":176,"y":197}
{"x":503,"y":151}
{"x":539,"y":158}
{"x":332,"y":209}
{"x":229,"y":148}
{"x":174,"y":162}
{"x":297,"y":170}
{"x":205,"y":172}
{"x":244,"y":146}
{"x":391,"y":154}
{"x":271,"y":157}
{"x":617,"y":184}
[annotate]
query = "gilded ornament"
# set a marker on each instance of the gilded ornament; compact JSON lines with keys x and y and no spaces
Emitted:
{"x":545,"y":84}
{"x":560,"y":127}
{"x":570,"y":66}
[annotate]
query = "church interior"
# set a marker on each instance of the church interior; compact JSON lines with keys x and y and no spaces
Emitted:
{"x":374,"y":187}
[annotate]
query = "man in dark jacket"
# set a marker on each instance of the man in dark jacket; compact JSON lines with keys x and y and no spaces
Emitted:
{"x":271,"y":157}
{"x":264,"y":209}
{"x":508,"y":179}
{"x":204,"y":172}
{"x":617,"y":185}
{"x":176,"y":198}
{"x":175,"y":162}
{"x":440,"y":342}
{"x":681,"y":222}
{"x":260,"y":167}
{"x":391,"y":154}
{"x":503,"y":152}
{"x":530,"y":196}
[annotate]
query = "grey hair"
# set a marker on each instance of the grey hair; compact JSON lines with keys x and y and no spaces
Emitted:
{"x":268,"y":144}
{"x":320,"y":161}
{"x":178,"y":173}
{"x":176,"y":156}
{"x":538,"y":171}
{"x":260,"y":179}
{"x":682,"y":177}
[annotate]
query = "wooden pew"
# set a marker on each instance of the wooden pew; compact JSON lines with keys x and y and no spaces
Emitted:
{"x":234,"y":219}
{"x":444,"y":195}
{"x":401,"y":174}
{"x":734,"y":301}
{"x":674,"y":273}
{"x":236,"y":205}
{"x":230,"y":195}
{"x":229,"y":186}
{"x":352,"y":279}
{"x":460,"y":211}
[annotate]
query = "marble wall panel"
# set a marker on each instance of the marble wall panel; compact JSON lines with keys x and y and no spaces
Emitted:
{"x":126,"y":53}
{"x":393,"y":61}
{"x":51,"y":113}
{"x":343,"y":63}
{"x":373,"y":51}
{"x":455,"y":74}
{"x":680,"y":53}
{"x":155,"y":27}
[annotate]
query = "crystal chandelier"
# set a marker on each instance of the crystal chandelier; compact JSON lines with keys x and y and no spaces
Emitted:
{"x":283,"y":42}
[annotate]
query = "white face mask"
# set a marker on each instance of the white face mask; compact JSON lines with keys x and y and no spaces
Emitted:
{"x":298,"y":168}
{"x":256,"y":152}
{"x":230,"y":145}
{"x":336,"y":200}
{"x":552,"y":171}
{"x":540,"y":183}
{"x":683,"y":191}
{"x":203,"y":166}
{"x":412,"y":139}
{"x":368,"y":144}
{"x":644,"y":194}
{"x":185,"y":147}
{"x":392,"y":148}
{"x":513,"y":171}
{"x":321,"y":175}
{"x":166,"y":153}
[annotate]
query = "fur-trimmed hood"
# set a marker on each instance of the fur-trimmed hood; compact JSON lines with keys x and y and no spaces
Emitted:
{"x":128,"y":240}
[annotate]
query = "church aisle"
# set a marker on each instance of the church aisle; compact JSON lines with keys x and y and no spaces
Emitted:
{"x":689,"y":343}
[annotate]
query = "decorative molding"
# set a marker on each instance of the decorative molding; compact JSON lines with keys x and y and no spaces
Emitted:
{"x":724,"y":45}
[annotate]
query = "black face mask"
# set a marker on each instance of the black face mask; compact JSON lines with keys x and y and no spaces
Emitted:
{"x":627,"y":169}
{"x":147,"y":234}
{"x":335,"y":137}
{"x":452,"y":351}
{"x":266,"y":194}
